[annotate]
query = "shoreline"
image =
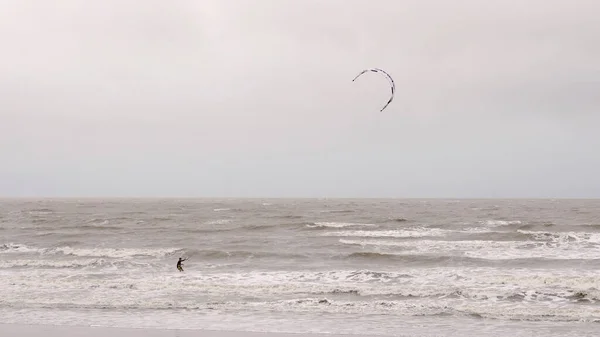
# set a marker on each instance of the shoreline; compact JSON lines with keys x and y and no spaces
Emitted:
{"x":47,"y":330}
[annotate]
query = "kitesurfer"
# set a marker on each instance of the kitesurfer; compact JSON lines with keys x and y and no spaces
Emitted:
{"x":179,"y":264}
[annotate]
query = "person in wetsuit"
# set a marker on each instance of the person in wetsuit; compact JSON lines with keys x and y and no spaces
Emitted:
{"x":179,"y":264}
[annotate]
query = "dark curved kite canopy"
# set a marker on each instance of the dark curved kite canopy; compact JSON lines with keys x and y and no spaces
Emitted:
{"x":388,"y":76}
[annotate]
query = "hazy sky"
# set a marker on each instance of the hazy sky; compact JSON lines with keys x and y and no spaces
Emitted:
{"x":255,"y":98}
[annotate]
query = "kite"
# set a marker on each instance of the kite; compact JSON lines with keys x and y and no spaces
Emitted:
{"x":390,"y":79}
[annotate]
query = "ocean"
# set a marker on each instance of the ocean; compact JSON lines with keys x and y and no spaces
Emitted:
{"x":396,"y":267}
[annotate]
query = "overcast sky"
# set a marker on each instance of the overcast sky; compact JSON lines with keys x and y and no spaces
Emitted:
{"x":255,"y":98}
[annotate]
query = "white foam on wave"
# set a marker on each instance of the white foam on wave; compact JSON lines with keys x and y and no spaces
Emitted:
{"x":17,"y":248}
{"x":482,"y":249}
{"x":339,"y":225}
{"x":495,"y":223}
{"x":428,"y":307}
{"x":564,"y":237}
{"x":125,"y":253}
{"x":483,"y":291}
{"x":79,"y":263}
{"x":218,"y":222}
{"x":395,"y":233}
{"x":476,"y":230}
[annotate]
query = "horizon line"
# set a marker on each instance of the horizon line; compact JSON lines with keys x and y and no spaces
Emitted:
{"x":2,"y":197}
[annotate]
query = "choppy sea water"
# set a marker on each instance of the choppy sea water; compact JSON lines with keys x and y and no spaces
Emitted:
{"x":390,"y":267}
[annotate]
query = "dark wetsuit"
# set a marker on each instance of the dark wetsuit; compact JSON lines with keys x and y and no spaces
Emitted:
{"x":179,"y":265}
